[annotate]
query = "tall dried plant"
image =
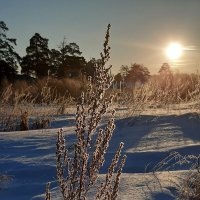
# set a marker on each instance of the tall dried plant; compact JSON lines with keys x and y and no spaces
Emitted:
{"x":79,"y":173}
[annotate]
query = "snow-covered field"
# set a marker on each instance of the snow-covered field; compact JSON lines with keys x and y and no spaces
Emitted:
{"x":28,"y":157}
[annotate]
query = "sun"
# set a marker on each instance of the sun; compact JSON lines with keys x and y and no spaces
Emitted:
{"x":174,"y":51}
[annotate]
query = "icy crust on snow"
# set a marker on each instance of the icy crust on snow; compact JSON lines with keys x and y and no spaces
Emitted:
{"x":29,"y":156}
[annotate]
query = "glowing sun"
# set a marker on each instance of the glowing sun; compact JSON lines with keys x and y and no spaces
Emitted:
{"x":174,"y":51}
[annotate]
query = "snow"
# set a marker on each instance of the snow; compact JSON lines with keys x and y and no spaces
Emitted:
{"x":28,"y":157}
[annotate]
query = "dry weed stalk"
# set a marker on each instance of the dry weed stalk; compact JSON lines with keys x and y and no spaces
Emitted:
{"x":79,"y":173}
{"x":48,"y":193}
{"x":24,"y":122}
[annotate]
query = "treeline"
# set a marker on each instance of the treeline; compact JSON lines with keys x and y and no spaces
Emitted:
{"x":131,"y":76}
{"x":137,"y":75}
{"x":64,"y":62}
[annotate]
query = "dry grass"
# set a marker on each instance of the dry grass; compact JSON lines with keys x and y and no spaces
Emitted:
{"x":21,"y":106}
{"x":186,"y":187}
{"x":160,"y":92}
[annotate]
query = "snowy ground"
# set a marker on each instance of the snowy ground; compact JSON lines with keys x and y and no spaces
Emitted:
{"x":29,"y":157}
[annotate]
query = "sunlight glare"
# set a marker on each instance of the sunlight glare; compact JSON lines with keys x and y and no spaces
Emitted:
{"x":174,"y":51}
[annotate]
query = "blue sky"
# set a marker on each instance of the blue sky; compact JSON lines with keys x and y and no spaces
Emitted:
{"x":140,"y":31}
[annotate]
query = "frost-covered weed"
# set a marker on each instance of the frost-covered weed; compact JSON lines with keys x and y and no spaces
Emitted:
{"x":78,"y":174}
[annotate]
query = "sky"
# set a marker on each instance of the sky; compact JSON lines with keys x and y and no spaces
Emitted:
{"x":140,"y":29}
